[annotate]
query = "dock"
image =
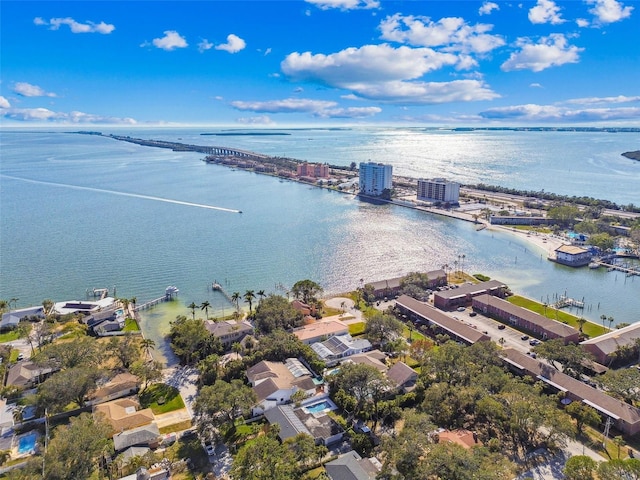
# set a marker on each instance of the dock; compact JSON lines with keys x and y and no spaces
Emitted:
{"x":565,"y":301}
{"x":619,"y":268}
{"x":169,"y":294}
{"x":218,"y":288}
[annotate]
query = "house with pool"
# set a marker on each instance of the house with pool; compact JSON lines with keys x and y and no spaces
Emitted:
{"x":275,"y":382}
{"x":310,"y":418}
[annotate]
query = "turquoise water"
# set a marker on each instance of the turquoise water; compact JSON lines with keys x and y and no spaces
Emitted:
{"x":319,"y":407}
{"x":82,"y":212}
{"x":27,"y":443}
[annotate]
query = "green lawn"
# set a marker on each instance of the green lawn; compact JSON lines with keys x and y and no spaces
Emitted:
{"x":9,"y":335}
{"x":161,"y":398}
{"x":356,"y":329}
{"x":590,"y":329}
{"x":130,"y":325}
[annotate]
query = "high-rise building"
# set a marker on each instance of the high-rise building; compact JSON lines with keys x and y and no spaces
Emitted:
{"x":375,"y":178}
{"x":438,"y":190}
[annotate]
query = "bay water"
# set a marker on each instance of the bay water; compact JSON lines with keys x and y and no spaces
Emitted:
{"x":79,"y":212}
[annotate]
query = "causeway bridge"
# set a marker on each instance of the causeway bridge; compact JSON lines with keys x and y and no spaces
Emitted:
{"x":185,"y":147}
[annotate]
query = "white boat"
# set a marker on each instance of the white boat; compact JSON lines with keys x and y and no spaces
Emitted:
{"x":594,"y":265}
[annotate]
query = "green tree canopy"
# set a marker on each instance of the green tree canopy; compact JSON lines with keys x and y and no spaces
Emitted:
{"x":307,"y":291}
{"x":191,"y":341}
{"x":219,"y":404}
{"x":70,"y":385}
{"x":382,"y":328}
{"x":265,"y":458}
{"x":572,"y":357}
{"x":75,"y":448}
{"x":580,"y":467}
{"x":276,"y":312}
{"x":82,"y":351}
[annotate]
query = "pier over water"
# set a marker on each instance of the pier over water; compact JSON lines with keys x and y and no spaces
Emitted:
{"x":185,"y":147}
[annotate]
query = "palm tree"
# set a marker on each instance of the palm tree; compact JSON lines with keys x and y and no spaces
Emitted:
{"x":3,"y":305}
{"x":193,"y":307}
{"x":14,"y":300}
{"x":205,"y":306}
{"x":249,"y":296}
{"x":610,"y":320}
{"x":462,"y":267}
{"x":235,"y":298}
{"x":581,"y":321}
{"x":603,"y":318}
{"x":147,"y":345}
{"x":260,"y":294}
{"x":134,"y":300}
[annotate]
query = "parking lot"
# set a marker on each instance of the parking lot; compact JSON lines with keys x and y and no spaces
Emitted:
{"x":496,"y":330}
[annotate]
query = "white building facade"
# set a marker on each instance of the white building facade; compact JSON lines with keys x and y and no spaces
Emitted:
{"x":438,"y":190}
{"x":374,"y":178}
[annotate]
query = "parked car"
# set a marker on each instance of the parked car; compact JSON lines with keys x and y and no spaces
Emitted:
{"x":473,"y":314}
{"x":209,"y":448}
{"x":501,"y":327}
{"x":20,"y":357}
{"x":461,"y":309}
{"x":534,"y":341}
{"x":524,"y":337}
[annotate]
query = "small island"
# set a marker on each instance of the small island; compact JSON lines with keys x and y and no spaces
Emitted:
{"x":632,"y":155}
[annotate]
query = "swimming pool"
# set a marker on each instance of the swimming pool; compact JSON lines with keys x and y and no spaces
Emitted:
{"x":320,"y":406}
{"x":27,"y":443}
{"x":119,"y":312}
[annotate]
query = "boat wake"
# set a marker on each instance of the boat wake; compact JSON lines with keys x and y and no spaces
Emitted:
{"x":125,"y":194}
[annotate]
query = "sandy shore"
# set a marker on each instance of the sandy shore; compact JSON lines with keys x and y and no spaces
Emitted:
{"x":547,"y":243}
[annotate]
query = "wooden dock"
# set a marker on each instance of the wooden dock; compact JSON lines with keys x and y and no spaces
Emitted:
{"x":619,"y":268}
{"x":169,"y":294}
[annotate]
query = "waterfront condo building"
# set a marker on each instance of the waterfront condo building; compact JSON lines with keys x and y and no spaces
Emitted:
{"x":315,"y":170}
{"x":438,"y":190}
{"x":375,"y":178}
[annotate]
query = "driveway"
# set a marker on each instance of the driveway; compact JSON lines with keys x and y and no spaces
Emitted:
{"x":346,"y":305}
{"x":184,"y":379}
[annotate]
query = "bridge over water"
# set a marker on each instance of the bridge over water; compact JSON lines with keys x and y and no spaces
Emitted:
{"x":185,"y":147}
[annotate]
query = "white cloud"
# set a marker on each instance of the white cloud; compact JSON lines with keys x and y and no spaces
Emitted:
{"x":25,"y":89}
{"x":267,"y":51}
{"x":204,"y":45}
{"x":351,"y":112}
{"x":298,"y":90}
{"x":369,"y":63}
{"x":345,"y":4}
{"x":582,"y":22}
{"x":545,"y":11}
{"x":533,"y":112}
{"x":609,"y":11}
{"x":384,"y":73}
{"x":551,"y":51}
{"x":452,"y":34}
{"x":259,"y":120}
{"x":425,"y":93}
{"x":487,"y":8}
{"x":170,"y":41}
{"x":601,"y":100}
{"x":317,"y":108}
{"x":4,"y":103}
{"x":44,"y":114}
{"x":76,"y":27}
{"x":234,"y":44}
{"x":287,"y":105}
{"x":535,"y":85}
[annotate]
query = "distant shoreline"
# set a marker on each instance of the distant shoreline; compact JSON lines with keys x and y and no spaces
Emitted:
{"x":241,"y":134}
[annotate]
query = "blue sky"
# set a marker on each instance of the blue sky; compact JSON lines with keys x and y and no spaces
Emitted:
{"x":320,"y":62}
